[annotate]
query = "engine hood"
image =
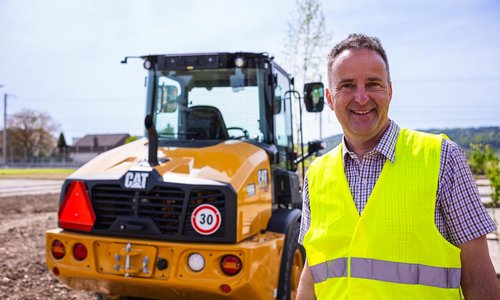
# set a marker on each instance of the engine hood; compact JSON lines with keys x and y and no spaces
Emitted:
{"x":229,"y":162}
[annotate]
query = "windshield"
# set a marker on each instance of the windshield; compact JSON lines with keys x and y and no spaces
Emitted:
{"x":214,"y":104}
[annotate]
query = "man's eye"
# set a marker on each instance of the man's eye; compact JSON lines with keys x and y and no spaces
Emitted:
{"x":373,"y":85}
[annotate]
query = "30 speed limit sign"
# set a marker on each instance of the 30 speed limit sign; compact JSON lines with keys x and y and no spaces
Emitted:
{"x":206,"y":219}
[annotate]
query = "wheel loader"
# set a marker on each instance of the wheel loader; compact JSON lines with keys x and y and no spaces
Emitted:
{"x":208,"y":204}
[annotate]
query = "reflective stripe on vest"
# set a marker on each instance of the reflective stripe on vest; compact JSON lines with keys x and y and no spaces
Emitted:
{"x":329,"y":269}
{"x":387,"y":271}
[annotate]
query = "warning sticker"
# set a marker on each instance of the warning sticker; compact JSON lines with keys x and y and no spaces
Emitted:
{"x":206,"y":219}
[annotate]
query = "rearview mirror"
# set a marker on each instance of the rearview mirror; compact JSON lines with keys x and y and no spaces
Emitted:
{"x":314,"y":96}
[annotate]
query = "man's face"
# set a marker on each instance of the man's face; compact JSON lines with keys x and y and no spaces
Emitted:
{"x":360,"y":94}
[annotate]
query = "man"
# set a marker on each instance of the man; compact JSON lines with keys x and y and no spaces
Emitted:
{"x":390,"y":213}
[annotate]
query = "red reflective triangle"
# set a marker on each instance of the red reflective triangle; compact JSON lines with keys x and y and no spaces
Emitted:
{"x":76,"y":211}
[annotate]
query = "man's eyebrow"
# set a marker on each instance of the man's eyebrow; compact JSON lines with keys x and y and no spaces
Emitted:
{"x":347,"y":80}
{"x":374,"y":79}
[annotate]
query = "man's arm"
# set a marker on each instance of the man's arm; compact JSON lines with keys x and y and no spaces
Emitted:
{"x":305,"y":291}
{"x":478,"y":274}
{"x":306,"y":285}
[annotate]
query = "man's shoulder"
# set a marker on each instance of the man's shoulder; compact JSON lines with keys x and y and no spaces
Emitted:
{"x":452,"y":152}
{"x":448,"y":146}
{"x":422,"y":134}
{"x":320,"y":160}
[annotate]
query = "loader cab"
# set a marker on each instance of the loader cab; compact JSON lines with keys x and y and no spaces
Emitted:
{"x":198,"y":100}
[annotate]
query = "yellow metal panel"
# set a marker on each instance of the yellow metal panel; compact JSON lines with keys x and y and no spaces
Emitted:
{"x":260,"y":256}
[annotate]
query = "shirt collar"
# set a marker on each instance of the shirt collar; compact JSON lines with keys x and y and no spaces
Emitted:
{"x":386,"y":146}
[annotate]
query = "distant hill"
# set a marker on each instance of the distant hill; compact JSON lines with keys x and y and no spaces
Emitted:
{"x":462,"y":136}
{"x":331,"y":142}
{"x":466,"y":136}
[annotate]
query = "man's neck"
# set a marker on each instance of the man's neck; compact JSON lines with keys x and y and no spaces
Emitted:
{"x":360,"y":147}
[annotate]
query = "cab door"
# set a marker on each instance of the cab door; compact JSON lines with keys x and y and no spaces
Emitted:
{"x":283,"y":128}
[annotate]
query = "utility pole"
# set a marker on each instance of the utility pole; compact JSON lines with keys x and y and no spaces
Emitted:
{"x":4,"y":131}
{"x":4,"y":152}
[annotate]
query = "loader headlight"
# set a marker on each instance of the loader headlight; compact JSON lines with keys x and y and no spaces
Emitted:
{"x":196,"y":262}
{"x":239,"y":62}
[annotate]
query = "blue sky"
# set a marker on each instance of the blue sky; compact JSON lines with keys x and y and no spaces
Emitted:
{"x":63,"y":57}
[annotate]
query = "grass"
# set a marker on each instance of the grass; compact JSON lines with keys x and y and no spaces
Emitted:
{"x":38,"y":173}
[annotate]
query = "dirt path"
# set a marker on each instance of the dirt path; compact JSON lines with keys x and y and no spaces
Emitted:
{"x":23,"y":272}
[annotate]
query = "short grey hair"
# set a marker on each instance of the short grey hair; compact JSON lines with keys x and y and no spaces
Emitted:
{"x":358,"y":41}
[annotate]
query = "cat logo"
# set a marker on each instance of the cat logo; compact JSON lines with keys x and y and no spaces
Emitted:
{"x":262,"y":178}
{"x":135,"y":180}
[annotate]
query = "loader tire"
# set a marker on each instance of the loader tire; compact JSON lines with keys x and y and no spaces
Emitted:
{"x":292,"y":263}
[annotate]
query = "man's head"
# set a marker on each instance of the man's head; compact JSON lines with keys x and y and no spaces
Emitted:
{"x":360,"y":90}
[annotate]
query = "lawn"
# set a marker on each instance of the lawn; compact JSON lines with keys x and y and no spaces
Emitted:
{"x":38,"y":173}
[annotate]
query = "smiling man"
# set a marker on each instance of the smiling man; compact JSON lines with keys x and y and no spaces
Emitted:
{"x":390,"y":213}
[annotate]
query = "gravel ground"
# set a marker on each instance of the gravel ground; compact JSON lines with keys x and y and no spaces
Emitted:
{"x":23,"y":272}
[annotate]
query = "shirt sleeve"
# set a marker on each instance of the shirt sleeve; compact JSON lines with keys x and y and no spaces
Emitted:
{"x":305,"y":221}
{"x":458,"y":198}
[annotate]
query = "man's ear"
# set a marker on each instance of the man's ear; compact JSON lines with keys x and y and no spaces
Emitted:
{"x":390,"y":91}
{"x":329,"y":98}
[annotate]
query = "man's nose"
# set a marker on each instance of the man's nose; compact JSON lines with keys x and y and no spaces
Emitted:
{"x":361,"y":96}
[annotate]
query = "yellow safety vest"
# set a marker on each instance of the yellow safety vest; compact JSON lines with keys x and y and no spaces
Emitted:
{"x":393,"y":250}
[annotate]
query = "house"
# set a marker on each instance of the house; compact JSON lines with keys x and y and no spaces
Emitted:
{"x":91,"y":145}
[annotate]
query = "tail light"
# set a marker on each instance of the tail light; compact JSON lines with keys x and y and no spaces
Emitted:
{"x":230,"y":265}
{"x":76,"y":210}
{"x":57,"y":249}
{"x":80,"y":251}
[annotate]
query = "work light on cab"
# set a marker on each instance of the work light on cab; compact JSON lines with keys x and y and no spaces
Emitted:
{"x":76,"y":210}
{"x":230,"y":265}
{"x":239,"y":62}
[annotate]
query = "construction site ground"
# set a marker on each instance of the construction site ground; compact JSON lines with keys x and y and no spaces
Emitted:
{"x":26,"y":214}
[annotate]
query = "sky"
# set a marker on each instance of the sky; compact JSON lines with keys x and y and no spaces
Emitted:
{"x":63,"y":57}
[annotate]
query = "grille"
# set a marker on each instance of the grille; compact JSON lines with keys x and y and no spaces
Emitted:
{"x":163,"y":205}
{"x":198,"y":197}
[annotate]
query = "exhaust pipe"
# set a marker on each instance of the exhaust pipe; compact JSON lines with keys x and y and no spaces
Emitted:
{"x":153,"y":141}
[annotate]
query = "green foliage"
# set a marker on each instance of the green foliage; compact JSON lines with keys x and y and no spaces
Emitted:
{"x":61,"y":142}
{"x":482,"y":160}
{"x":479,"y":157}
{"x":131,"y":139}
{"x":493,"y":173}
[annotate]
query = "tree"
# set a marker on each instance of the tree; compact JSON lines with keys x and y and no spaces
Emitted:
{"x":305,"y":45}
{"x":62,"y":146}
{"x":480,"y":156}
{"x":307,"y":38}
{"x":31,"y":134}
{"x":493,"y":174}
{"x":483,"y":160}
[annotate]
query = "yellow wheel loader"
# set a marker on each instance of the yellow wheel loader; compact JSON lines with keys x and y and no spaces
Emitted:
{"x":207,"y":205}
